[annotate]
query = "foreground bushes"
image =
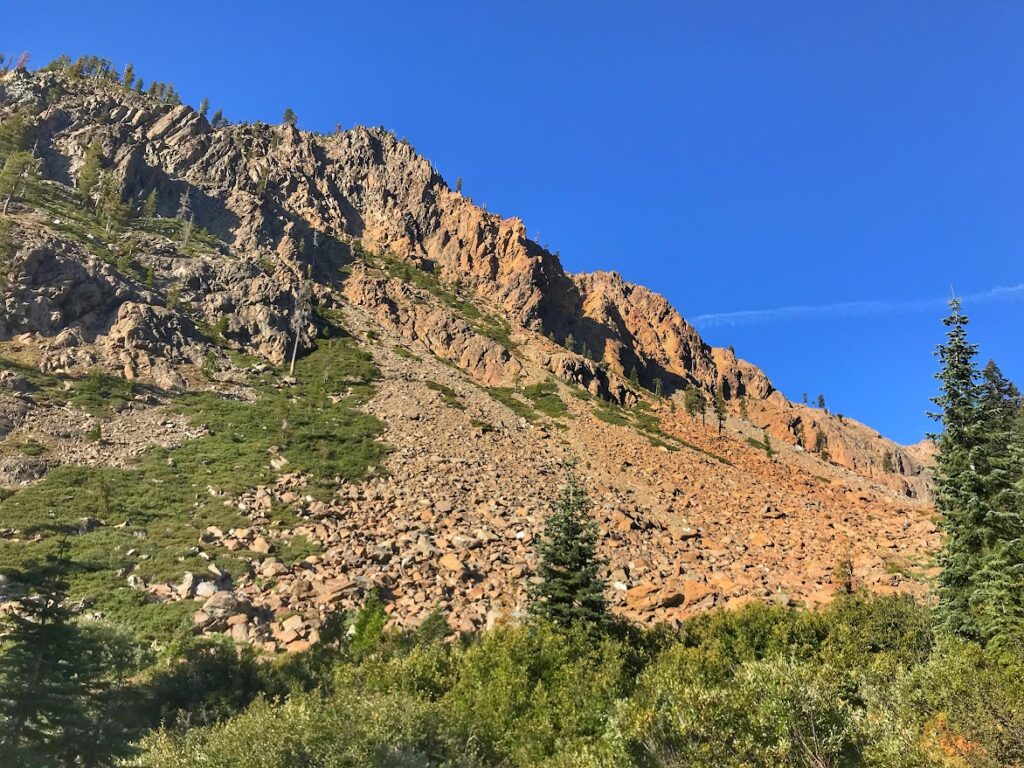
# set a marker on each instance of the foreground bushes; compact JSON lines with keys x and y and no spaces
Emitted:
{"x":862,"y":684}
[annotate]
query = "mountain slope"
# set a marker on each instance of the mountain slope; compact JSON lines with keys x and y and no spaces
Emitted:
{"x":495,"y":366}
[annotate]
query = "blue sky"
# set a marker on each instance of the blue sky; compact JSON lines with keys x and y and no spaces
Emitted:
{"x":732,"y":156}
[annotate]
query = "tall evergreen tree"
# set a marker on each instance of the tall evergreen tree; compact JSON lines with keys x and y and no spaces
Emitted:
{"x":695,"y":402}
{"x":289,"y":117}
{"x":958,"y":498}
{"x":55,"y":682}
{"x":720,"y":411}
{"x":149,"y":206}
{"x":92,"y":166}
{"x":997,"y":597}
{"x":571,"y":590}
{"x":18,"y":178}
{"x":14,"y":136}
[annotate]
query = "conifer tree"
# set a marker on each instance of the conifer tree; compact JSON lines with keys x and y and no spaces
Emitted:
{"x":821,"y":446}
{"x":14,"y":136}
{"x":54,"y":682}
{"x":571,"y":590}
{"x":129,"y":76}
{"x":149,"y":206}
{"x":92,"y":166}
{"x":958,"y":498}
{"x":218,"y":119}
{"x":997,"y":595}
{"x":289,"y":117}
{"x":719,"y":406}
{"x":112,"y":210}
{"x":18,"y":178}
{"x":204,"y":107}
{"x":570,"y":343}
{"x":695,"y":402}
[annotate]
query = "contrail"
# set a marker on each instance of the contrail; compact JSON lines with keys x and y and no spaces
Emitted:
{"x":851,"y":308}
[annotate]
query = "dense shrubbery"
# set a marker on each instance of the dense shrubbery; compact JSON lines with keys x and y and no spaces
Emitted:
{"x":863,"y":683}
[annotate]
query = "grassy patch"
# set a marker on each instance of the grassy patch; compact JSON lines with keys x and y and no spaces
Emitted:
{"x":507,"y":396}
{"x":649,"y":425}
{"x":100,"y":393}
{"x":31,"y":448}
{"x":544,"y":396}
{"x":612,"y":415}
{"x":160,"y":507}
{"x":403,"y":352}
{"x":449,"y":395}
{"x":66,"y":215}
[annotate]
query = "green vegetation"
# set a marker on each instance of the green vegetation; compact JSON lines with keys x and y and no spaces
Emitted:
{"x":695,"y":402}
{"x":863,"y":683}
{"x":544,"y":396}
{"x":570,"y":592}
{"x":30,"y":448}
{"x":648,"y":424}
{"x":403,"y":352}
{"x":508,"y":397}
{"x":161,"y":506}
{"x":449,"y":395}
{"x":979,"y":494}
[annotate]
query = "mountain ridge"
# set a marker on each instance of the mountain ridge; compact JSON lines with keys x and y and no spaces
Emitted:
{"x":534,"y":366}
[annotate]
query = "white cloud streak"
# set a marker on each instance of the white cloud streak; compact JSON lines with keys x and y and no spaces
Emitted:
{"x":850,"y":309}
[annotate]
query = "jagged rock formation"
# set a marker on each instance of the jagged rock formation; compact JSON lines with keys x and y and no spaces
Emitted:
{"x":303,"y":199}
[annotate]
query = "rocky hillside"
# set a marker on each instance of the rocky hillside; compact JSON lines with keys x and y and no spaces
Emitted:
{"x":208,"y":254}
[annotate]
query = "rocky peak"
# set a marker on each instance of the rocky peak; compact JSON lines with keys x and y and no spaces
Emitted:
{"x":286,"y":203}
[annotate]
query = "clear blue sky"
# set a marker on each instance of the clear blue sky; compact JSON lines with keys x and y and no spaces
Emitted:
{"x":733,"y":156}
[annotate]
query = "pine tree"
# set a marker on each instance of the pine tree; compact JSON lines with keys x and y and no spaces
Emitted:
{"x":719,"y":406}
{"x":821,"y":446}
{"x":458,"y":185}
{"x":14,"y":136}
{"x":634,"y":377}
{"x":571,"y":590}
{"x":997,"y":595}
{"x":129,"y":76}
{"x":695,"y":402}
{"x":92,"y":166}
{"x":821,"y":402}
{"x":289,"y":117}
{"x":111,"y":209}
{"x":18,"y":178}
{"x":958,"y":498}
{"x":185,"y":216}
{"x":54,"y":683}
{"x":659,"y":388}
{"x":204,"y":107}
{"x":149,"y":206}
{"x":570,"y":343}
